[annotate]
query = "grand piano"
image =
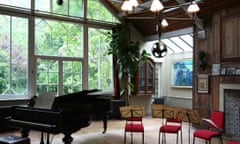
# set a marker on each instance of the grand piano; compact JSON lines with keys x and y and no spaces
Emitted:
{"x":68,"y":114}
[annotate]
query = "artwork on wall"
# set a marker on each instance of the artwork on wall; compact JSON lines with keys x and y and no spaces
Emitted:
{"x":203,"y":83}
{"x":182,"y":73}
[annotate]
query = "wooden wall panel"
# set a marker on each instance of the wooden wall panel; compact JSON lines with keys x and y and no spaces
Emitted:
{"x":212,"y":45}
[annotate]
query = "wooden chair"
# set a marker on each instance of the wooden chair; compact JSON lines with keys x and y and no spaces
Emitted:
{"x":215,"y":128}
{"x":134,"y":124}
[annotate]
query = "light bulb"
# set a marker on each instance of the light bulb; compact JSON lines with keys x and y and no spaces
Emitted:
{"x":193,"y":8}
{"x":127,"y":6}
{"x":156,"y":6}
{"x":164,"y":23}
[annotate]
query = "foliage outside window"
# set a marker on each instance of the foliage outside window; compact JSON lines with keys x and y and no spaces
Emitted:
{"x":56,"y":50}
{"x":68,"y":8}
{"x":100,"y":73}
{"x":97,"y":11}
{"x":13,"y":55}
{"x":56,"y":38}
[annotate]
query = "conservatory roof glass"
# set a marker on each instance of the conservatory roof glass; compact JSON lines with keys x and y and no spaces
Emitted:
{"x":180,"y":43}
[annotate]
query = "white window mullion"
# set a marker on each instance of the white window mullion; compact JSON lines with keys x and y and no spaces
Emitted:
{"x":60,"y":77}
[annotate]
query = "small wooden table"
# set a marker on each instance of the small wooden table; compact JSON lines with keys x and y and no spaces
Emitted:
{"x":10,"y":139}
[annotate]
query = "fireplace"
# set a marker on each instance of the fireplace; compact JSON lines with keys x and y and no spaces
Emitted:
{"x":229,"y":102}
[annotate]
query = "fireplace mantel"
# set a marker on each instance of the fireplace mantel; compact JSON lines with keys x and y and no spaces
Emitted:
{"x":224,"y":86}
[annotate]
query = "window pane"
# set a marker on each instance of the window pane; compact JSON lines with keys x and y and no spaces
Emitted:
{"x":99,"y":64}
{"x":47,"y":76}
{"x":72,"y":77}
{"x":97,"y":11}
{"x":68,"y":8}
{"x":13,"y":55}
{"x":17,"y":3}
{"x":54,"y":38}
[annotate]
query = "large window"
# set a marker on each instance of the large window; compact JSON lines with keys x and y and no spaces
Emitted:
{"x":13,"y":55}
{"x":58,"y":38}
{"x":100,"y":64}
{"x":50,"y":47}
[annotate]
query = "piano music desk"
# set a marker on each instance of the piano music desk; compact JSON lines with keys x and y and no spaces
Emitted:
{"x":10,"y":139}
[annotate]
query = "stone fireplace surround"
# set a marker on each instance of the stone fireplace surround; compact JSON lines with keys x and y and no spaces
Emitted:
{"x":229,"y":102}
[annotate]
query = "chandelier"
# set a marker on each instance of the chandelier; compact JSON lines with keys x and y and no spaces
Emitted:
{"x":156,"y":7}
{"x":159,"y":49}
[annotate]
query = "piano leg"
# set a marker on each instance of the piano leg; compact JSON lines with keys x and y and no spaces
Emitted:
{"x":67,"y":138}
{"x":105,"y":118}
{"x":25,"y":132}
{"x":42,"y":138}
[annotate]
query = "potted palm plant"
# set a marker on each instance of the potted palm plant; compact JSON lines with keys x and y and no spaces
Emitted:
{"x":128,"y":56}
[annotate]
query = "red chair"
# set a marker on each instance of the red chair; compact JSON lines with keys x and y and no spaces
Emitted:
{"x":232,"y":142}
{"x":215,"y":128}
{"x":171,"y":126}
{"x":134,"y":124}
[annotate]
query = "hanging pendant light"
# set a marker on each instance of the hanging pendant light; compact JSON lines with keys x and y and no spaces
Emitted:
{"x":156,"y":6}
{"x":127,"y":6}
{"x":193,"y":8}
{"x":164,"y":23}
{"x":134,"y":3}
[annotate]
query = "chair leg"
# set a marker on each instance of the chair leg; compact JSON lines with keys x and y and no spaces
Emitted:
{"x":143,"y":137}
{"x":221,"y":140}
{"x":181,"y":136}
{"x":159,"y":136}
{"x":193,"y":140}
{"x":177,"y":139}
{"x":164,"y":138}
{"x":124,"y":137}
{"x":131,"y":137}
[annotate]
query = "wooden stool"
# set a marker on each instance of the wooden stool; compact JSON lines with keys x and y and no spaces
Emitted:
{"x":10,"y":139}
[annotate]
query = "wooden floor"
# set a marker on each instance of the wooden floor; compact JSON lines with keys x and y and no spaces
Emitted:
{"x":114,"y":135}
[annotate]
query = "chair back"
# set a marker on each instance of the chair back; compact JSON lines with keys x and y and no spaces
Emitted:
{"x":132,"y":111}
{"x":218,"y":118}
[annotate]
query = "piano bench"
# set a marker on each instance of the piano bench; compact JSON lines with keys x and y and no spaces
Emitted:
{"x":10,"y":139}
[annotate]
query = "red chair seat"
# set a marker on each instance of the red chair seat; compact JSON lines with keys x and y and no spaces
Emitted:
{"x":134,"y":127}
{"x":206,"y":134}
{"x":170,"y":128}
{"x":233,"y":143}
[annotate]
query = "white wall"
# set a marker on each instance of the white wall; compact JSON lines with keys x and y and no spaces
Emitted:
{"x":180,"y":97}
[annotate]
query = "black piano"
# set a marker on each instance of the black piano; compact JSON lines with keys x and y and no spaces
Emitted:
{"x":69,"y":113}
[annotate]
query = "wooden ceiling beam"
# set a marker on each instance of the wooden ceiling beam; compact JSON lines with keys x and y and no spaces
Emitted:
{"x":197,"y":22}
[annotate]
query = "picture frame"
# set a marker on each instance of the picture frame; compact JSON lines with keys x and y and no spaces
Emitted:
{"x":203,"y":83}
{"x":238,"y":71}
{"x":223,"y":71}
{"x":231,"y":71}
{"x":215,"y":69}
{"x":182,"y":70}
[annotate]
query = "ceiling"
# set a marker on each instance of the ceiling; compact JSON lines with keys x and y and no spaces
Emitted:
{"x":147,"y":26}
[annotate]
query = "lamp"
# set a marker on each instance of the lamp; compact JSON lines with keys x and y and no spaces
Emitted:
{"x":128,"y":5}
{"x":156,"y":6}
{"x":164,"y":23}
{"x":159,"y":49}
{"x":193,"y":7}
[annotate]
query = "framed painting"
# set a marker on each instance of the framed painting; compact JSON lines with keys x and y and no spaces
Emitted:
{"x":182,"y":73}
{"x":203,"y":83}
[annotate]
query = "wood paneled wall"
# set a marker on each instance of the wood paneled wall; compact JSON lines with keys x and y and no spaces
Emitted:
{"x":212,"y":45}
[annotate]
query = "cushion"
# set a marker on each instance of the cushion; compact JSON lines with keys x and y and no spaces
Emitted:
{"x":134,"y":127}
{"x":233,"y":142}
{"x":206,"y":134}
{"x":170,"y":128}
